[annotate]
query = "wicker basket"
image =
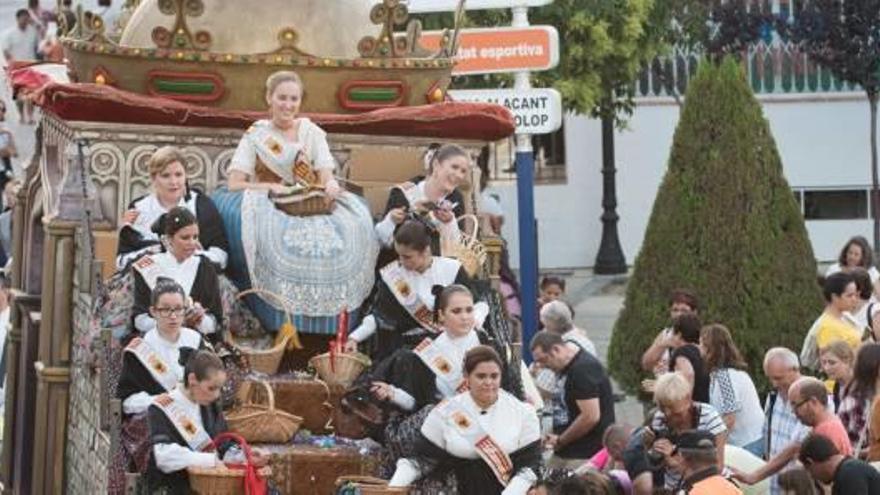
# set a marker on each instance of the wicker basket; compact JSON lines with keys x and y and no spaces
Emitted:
{"x":466,"y":248}
{"x":367,"y":485}
{"x":259,"y":423}
{"x":263,"y":360}
{"x":303,"y":204}
{"x":223,"y":480}
{"x":346,"y":367}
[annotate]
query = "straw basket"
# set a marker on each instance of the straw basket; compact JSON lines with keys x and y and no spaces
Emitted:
{"x":366,"y":485}
{"x":466,"y":248}
{"x":260,"y":423}
{"x":346,"y":367}
{"x":302,"y":203}
{"x":225,"y":480}
{"x":264,"y":360}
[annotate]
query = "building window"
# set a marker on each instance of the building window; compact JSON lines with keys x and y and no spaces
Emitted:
{"x":549,"y":152}
{"x":835,"y":205}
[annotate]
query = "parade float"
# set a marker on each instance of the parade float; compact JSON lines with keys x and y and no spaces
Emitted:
{"x":191,"y":73}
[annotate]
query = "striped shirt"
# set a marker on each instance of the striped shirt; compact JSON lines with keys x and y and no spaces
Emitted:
{"x":709,"y":421}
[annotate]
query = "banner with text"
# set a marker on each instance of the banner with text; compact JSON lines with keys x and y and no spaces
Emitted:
{"x":489,"y":50}
{"x":536,"y":111}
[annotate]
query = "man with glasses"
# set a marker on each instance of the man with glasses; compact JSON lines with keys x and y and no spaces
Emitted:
{"x":791,"y":410}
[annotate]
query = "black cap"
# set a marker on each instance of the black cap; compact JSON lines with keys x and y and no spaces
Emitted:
{"x":696,"y":440}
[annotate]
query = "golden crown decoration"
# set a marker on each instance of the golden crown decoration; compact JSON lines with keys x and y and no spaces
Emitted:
{"x":466,"y":248}
{"x":179,"y":57}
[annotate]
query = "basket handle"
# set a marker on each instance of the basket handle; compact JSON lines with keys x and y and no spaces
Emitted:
{"x":252,"y":475}
{"x":269,"y":393}
{"x":473,"y":218}
{"x":235,"y":438}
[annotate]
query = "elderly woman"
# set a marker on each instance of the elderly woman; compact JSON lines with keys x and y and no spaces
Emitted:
{"x":484,"y":438}
{"x":678,"y":412}
{"x":556,"y":317}
{"x":321,"y":264}
{"x":169,"y":189}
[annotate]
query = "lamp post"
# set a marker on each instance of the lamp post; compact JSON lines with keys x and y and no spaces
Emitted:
{"x":610,"y":260}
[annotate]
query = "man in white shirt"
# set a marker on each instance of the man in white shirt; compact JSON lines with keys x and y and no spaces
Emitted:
{"x":20,"y":43}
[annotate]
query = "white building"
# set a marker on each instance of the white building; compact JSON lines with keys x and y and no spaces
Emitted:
{"x":821,"y":130}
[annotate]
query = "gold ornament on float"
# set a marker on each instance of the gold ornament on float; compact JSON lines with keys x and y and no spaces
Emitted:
{"x":207,"y":52}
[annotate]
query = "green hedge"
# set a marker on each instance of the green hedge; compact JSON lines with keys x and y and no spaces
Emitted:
{"x":725,"y":224}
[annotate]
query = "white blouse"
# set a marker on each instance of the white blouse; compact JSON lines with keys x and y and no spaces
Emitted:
{"x":511,"y":423}
{"x":184,"y":273}
{"x":149,"y":210}
{"x":442,"y":271}
{"x":170,"y":354}
{"x":385,"y":228}
{"x":309,"y":136}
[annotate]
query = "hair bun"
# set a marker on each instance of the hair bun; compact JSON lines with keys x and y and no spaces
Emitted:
{"x":158,"y":226}
{"x":437,"y":289}
{"x":185,"y":354}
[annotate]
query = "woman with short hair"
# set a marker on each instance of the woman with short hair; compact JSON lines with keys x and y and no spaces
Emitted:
{"x":167,"y":169}
{"x":676,"y":413}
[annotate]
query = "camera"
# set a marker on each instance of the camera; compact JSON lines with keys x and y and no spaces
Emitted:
{"x":656,"y":459}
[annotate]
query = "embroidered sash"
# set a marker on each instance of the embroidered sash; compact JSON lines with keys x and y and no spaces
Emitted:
{"x":196,"y":438}
{"x":470,"y":429}
{"x":289,"y":161}
{"x":393,"y":276}
{"x":149,"y":270}
{"x":450,"y":376}
{"x":152,"y":361}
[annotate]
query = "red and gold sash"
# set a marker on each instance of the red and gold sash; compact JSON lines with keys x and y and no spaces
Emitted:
{"x":468,"y":427}
{"x":196,"y":438}
{"x":393,"y":276}
{"x":152,"y":361}
{"x":446,"y":371}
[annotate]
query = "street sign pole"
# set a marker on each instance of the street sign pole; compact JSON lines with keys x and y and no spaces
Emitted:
{"x":525,"y":196}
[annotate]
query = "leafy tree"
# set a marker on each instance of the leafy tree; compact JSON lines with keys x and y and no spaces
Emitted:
{"x":726,"y":225}
{"x":844,"y":36}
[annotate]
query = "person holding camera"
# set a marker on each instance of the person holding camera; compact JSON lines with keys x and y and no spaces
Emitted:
{"x":676,"y":413}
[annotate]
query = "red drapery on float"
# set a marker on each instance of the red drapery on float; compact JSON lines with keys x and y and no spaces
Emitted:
{"x":97,"y":103}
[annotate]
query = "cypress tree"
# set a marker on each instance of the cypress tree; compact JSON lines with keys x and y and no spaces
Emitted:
{"x":726,"y":225}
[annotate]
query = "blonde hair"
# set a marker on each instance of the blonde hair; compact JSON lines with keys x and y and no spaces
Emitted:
{"x":164,"y":156}
{"x":283,"y":76}
{"x":841,"y":350}
{"x":671,"y":388}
